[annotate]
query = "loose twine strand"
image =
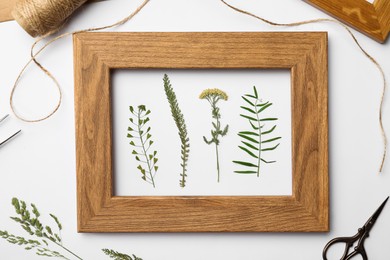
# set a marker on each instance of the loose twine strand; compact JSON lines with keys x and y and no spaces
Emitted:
{"x":384,"y":138}
{"x":47,"y":72}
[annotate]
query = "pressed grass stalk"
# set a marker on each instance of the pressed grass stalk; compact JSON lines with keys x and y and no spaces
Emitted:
{"x":42,"y":235}
{"x":140,"y":134}
{"x":254,"y":138}
{"x":181,"y":127}
{"x":213,"y":96}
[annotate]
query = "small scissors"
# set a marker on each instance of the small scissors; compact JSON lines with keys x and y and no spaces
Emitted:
{"x":362,"y":234}
{"x":9,"y":138}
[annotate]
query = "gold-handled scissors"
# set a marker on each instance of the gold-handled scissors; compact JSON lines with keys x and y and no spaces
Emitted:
{"x":9,"y":138}
{"x":362,"y":234}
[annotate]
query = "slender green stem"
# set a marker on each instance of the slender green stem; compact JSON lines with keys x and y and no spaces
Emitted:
{"x":67,"y":250}
{"x":143,"y":148}
{"x":216,"y":150}
{"x":259,"y":155}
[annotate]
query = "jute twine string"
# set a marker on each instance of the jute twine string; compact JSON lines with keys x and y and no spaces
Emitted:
{"x":34,"y":55}
{"x":384,"y":138}
{"x":40,"y":17}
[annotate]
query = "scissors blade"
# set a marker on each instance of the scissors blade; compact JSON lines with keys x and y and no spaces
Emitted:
{"x":9,"y":138}
{"x":3,"y":118}
{"x":371,"y":221}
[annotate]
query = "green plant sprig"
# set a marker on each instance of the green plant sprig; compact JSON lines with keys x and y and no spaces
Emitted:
{"x":252,"y":140}
{"x":213,"y":96}
{"x":30,"y":222}
{"x":144,"y":143}
{"x":119,"y":256}
{"x":181,"y":126}
{"x":44,"y":234}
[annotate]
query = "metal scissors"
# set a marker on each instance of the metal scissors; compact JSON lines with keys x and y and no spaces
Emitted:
{"x":9,"y":138}
{"x":362,"y":234}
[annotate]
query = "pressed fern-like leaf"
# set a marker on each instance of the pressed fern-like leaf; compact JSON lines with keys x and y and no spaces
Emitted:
{"x":181,"y":126}
{"x":140,"y":136}
{"x":253,"y":140}
{"x":119,"y":256}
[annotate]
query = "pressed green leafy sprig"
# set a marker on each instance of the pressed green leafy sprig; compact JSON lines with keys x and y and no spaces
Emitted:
{"x":213,"y":96}
{"x":181,"y":126}
{"x":140,"y":134}
{"x":42,"y":235}
{"x":258,"y":136}
{"x":29,"y":220}
{"x":119,"y":256}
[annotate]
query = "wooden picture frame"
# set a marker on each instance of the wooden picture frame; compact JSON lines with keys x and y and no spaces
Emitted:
{"x":303,"y":53}
{"x":372,"y":19}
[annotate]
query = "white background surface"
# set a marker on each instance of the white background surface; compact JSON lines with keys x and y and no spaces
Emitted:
{"x":146,"y":87}
{"x":39,"y":166}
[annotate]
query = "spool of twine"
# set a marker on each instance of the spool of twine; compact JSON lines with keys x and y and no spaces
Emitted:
{"x":40,"y":17}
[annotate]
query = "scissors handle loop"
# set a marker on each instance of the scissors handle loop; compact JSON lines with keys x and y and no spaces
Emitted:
{"x":349,"y":242}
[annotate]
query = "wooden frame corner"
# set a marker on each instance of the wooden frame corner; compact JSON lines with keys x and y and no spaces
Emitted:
{"x":372,"y":19}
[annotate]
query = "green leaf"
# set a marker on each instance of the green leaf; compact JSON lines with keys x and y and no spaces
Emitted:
{"x":248,"y":109}
{"x":250,"y":145}
{"x":246,"y":172}
{"x":268,"y":119}
{"x":262,"y":104}
{"x":255,"y":91}
{"x":131,"y":109}
{"x":224,"y":132}
{"x":137,"y":158}
{"x":134,"y":152}
{"x":248,"y":133}
{"x":130,"y":129}
{"x":251,"y":96}
{"x":249,"y":152}
{"x":245,"y":163}
{"x":129,"y":136}
{"x":264,"y":108}
{"x":48,"y":229}
{"x":270,"y":149}
{"x":270,"y":140}
{"x":269,"y":131}
{"x":249,"y":102}
{"x":154,"y":153}
{"x":248,"y":117}
{"x":253,"y":126}
{"x":267,"y":161}
{"x":132,"y":143}
{"x":248,"y":138}
{"x":155,"y":168}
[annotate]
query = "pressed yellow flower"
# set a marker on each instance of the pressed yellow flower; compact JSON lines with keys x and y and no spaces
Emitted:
{"x":214,"y":92}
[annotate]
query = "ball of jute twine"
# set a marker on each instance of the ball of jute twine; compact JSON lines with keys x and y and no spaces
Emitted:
{"x":39,"y":17}
{"x":34,"y":54}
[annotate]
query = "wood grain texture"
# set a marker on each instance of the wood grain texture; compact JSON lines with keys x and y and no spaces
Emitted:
{"x":370,"y":19}
{"x":305,"y":54}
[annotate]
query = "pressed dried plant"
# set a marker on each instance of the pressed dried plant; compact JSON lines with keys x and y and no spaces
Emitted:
{"x":213,"y":96}
{"x":140,"y":136}
{"x":258,"y":136}
{"x":181,"y":127}
{"x":41,"y":236}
